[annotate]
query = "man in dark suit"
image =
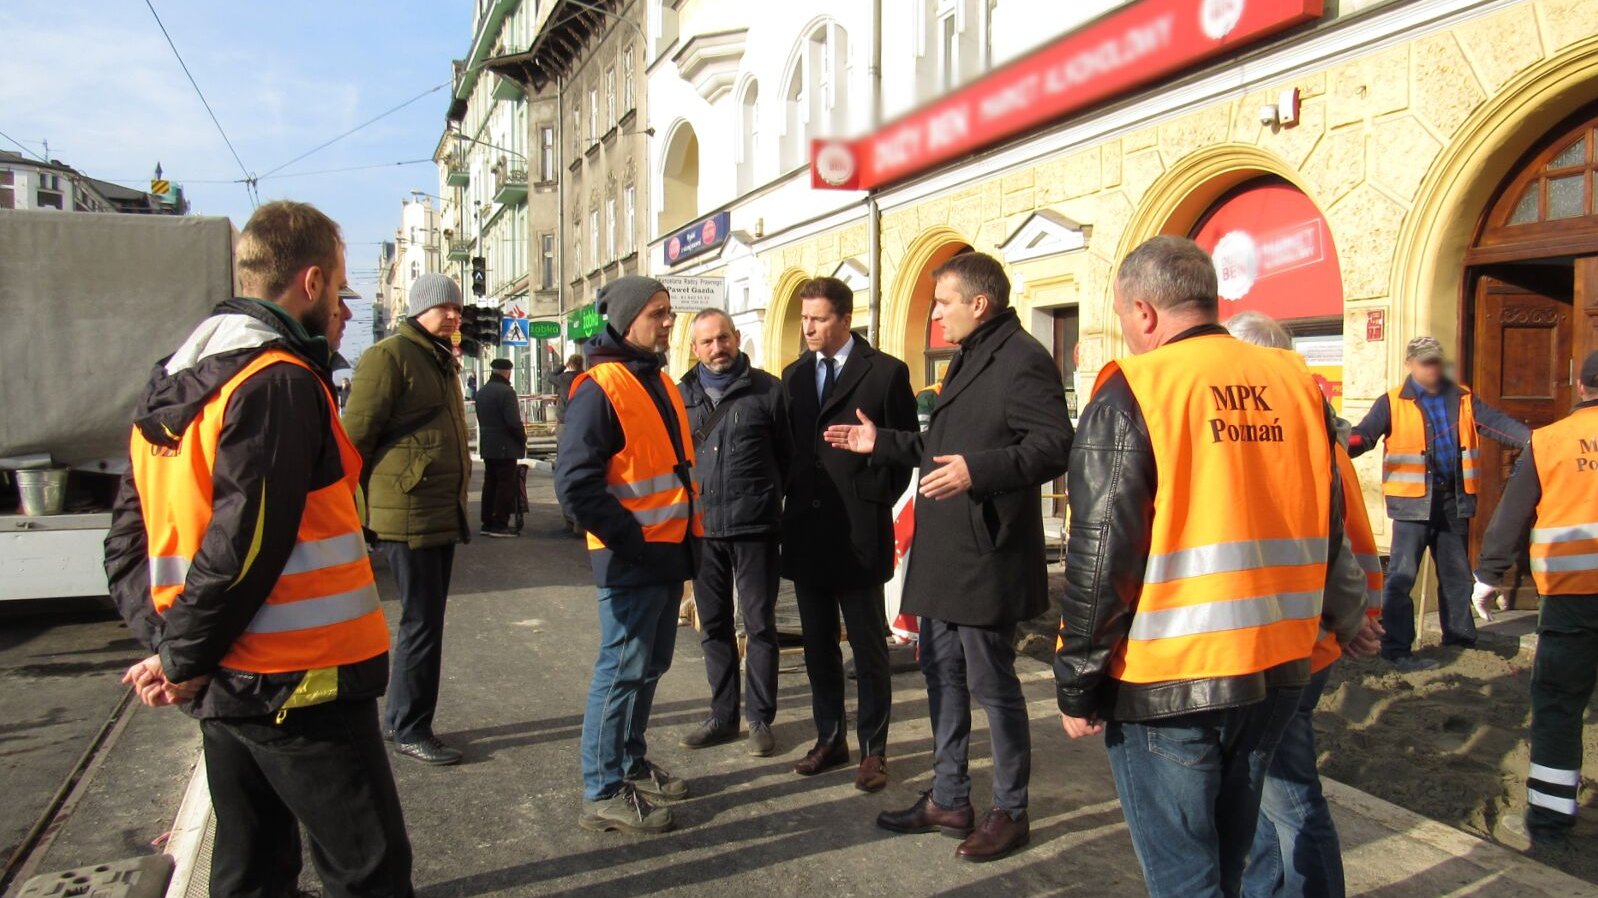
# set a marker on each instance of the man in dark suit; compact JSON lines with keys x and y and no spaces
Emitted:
{"x":837,"y":525}
{"x":1000,"y":429}
{"x":501,"y":441}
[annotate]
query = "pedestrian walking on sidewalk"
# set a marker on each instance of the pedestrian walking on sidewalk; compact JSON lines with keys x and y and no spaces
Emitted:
{"x":1431,"y":464}
{"x":1186,"y":638}
{"x":502,"y":442}
{"x":837,"y":526}
{"x":1000,"y":429}
{"x":236,"y":556}
{"x":743,"y":448}
{"x":408,"y":419}
{"x":1551,"y":502}
{"x":624,"y":472}
{"x":1297,"y":853}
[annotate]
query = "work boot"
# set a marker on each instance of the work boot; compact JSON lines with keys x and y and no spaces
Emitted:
{"x":761,"y":742}
{"x":711,"y":732}
{"x":1411,"y":664}
{"x":627,"y":812}
{"x":656,"y":784}
{"x":428,"y":750}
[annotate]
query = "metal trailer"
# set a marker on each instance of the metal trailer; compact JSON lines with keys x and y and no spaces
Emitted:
{"x":91,"y":303}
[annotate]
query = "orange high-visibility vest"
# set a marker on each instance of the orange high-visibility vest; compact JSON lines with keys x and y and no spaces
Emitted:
{"x":644,"y":476}
{"x":1237,"y":560}
{"x":1404,"y":453}
{"x":1564,"y":543}
{"x":323,"y":611}
{"x":1357,"y":524}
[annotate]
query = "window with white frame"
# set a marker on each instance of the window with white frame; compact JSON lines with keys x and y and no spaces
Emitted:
{"x":815,"y":98}
{"x":610,"y":98}
{"x":628,"y":70}
{"x":629,"y":208}
{"x":593,"y":237}
{"x":577,"y":128}
{"x":593,"y":114}
{"x":8,"y":190}
{"x":546,"y":262}
{"x":546,"y":153}
{"x":610,"y":229}
{"x":748,"y":136}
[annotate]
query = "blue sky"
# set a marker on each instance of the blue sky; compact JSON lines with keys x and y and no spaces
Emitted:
{"x":96,"y":79}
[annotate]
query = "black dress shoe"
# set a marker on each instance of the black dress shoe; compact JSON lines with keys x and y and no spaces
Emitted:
{"x":428,"y":750}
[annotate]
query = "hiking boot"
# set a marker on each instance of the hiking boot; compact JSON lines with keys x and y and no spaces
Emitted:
{"x":1411,"y":664}
{"x":658,"y":785}
{"x":626,"y":812}
{"x":711,"y":732}
{"x":761,"y":742}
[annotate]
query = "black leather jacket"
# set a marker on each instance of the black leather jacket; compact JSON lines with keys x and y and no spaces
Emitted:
{"x":1112,"y":485}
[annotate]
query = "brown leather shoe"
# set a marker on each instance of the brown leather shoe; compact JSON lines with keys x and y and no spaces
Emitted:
{"x":822,"y":758}
{"x":872,"y":775}
{"x":998,"y":837}
{"x":926,"y":816}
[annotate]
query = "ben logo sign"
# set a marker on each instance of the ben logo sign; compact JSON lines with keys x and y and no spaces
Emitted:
{"x":1219,"y":17}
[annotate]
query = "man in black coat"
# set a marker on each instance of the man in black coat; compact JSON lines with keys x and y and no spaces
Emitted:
{"x":837,"y":525}
{"x":501,"y":441}
{"x":1000,"y":429}
{"x":742,"y":448}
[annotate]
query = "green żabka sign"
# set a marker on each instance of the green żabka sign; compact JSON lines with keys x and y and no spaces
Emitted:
{"x":543,"y":330}
{"x":584,"y":323}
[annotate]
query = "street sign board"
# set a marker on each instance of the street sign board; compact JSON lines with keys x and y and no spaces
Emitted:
{"x":584,"y":322}
{"x":702,"y":236}
{"x":543,"y":330}
{"x":514,"y":308}
{"x":513,"y":332}
{"x":695,"y":294}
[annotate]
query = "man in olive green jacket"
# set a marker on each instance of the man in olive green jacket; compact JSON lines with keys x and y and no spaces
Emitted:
{"x":407,"y":417}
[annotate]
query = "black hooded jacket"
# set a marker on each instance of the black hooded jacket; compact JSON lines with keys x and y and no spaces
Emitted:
{"x":591,"y":437}
{"x":275,"y":448}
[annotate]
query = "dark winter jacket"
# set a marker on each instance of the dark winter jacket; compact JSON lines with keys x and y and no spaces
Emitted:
{"x":407,"y":417}
{"x":592,"y":436}
{"x":500,"y":433}
{"x":743,"y":459}
{"x":1490,"y":422}
{"x":1504,"y":543}
{"x":978,"y":558}
{"x":276,"y":447}
{"x":563,"y":390}
{"x":1112,"y":483}
{"x":837,"y":520}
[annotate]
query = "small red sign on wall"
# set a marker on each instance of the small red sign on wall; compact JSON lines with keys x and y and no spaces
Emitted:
{"x":1375,"y":326}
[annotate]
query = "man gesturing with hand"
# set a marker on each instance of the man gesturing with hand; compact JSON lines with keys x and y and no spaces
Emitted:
{"x":1000,"y":430}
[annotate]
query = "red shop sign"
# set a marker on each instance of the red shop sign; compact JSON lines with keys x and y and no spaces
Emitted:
{"x":1273,"y":253}
{"x":1125,"y":50}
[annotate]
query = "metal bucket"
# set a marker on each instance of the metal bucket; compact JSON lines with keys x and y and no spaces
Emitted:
{"x":42,"y":490}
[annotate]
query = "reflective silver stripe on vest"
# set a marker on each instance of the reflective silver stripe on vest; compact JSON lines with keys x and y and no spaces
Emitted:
{"x":1567,"y":534}
{"x":168,"y":570}
{"x":1403,"y":458}
{"x":1565,"y":563}
{"x":323,"y":553}
{"x":1216,"y":617}
{"x":1470,"y":454}
{"x":1245,"y":555}
{"x":1373,"y":598}
{"x":638,"y":489}
{"x":320,"y":612}
{"x":1370,"y":564}
{"x":1405,"y":478}
{"x":647,"y":516}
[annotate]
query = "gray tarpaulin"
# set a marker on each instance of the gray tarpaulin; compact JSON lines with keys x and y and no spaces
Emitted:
{"x":89,"y":303}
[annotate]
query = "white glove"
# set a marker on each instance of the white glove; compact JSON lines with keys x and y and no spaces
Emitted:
{"x":1480,"y":597}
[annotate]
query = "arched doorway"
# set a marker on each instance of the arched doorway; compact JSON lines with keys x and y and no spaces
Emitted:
{"x":926,"y":352}
{"x":679,"y":178}
{"x":1531,"y":282}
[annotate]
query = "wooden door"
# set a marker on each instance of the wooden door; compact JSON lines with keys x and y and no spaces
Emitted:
{"x":1523,"y":355}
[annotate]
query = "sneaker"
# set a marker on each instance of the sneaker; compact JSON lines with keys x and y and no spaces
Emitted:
{"x":499,"y":533}
{"x":711,"y":732}
{"x":428,"y":750}
{"x":627,"y":812}
{"x":761,"y":742}
{"x":656,"y":784}
{"x":1411,"y":664}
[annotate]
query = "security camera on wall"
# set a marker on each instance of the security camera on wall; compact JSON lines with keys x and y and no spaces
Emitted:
{"x":1268,"y":115}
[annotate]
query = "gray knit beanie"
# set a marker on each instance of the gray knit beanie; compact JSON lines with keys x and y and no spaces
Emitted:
{"x":621,"y":300}
{"x":431,"y":290}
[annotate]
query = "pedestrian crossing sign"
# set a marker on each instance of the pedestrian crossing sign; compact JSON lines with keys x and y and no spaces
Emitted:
{"x":513,"y":332}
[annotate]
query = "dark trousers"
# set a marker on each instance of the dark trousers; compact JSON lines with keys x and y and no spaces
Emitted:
{"x":322,"y":767}
{"x":1190,"y":788}
{"x":863,"y":615}
{"x":500,"y":489}
{"x":423,"y":578}
{"x":961,"y":663}
{"x":1561,"y":685}
{"x":745,"y":568}
{"x":1448,"y":538}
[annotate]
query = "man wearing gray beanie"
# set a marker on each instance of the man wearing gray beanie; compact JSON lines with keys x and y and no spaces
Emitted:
{"x":407,"y":417}
{"x":624,"y":473}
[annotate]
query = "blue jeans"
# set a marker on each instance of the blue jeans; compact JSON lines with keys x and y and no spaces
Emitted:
{"x":1296,"y":851}
{"x":637,"y":636}
{"x":1190,"y":788}
{"x":1448,"y":538}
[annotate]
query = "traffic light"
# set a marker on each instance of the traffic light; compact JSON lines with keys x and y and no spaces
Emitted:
{"x":489,"y":322}
{"x":479,"y":276}
{"x":468,"y":328}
